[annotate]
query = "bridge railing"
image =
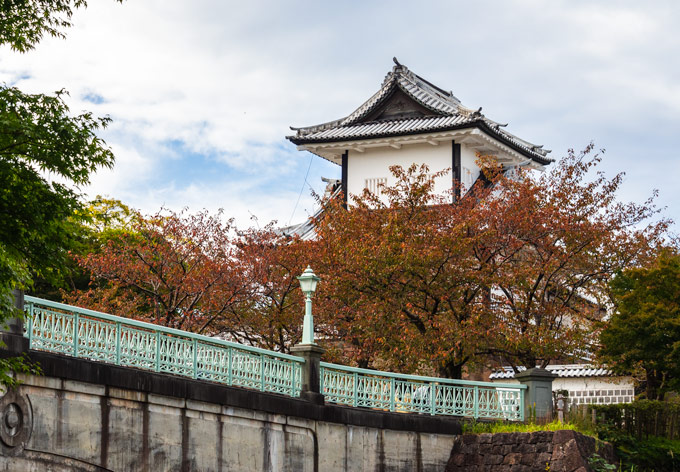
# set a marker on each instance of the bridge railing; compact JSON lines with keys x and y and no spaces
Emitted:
{"x":88,"y":334}
{"x":416,"y":394}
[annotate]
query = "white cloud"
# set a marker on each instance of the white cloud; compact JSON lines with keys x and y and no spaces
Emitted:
{"x":224,"y":80}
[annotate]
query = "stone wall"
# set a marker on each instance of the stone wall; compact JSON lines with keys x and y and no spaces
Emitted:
{"x":84,"y":416}
{"x":559,"y":451}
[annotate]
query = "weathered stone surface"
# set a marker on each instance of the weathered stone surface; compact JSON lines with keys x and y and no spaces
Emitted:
{"x":512,"y":458}
{"x":80,"y":427}
{"x":559,"y":451}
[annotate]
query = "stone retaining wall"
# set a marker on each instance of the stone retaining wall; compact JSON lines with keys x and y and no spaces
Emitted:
{"x":559,"y":451}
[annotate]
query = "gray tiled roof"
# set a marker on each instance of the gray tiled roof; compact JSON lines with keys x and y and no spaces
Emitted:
{"x":449,"y":114}
{"x":307,"y":229}
{"x":571,"y":370}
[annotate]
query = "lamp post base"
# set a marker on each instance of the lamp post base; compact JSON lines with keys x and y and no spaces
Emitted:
{"x":311,"y":372}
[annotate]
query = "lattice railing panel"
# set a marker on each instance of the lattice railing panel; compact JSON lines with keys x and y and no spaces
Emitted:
{"x":415,"y":394}
{"x":87,"y":334}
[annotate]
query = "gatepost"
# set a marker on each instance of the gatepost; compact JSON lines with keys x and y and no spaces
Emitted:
{"x":13,"y":331}
{"x":538,"y":396}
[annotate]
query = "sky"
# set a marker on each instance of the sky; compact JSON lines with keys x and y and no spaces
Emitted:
{"x":202,"y":93}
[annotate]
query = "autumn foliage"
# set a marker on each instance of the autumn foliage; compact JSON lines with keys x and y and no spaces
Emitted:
{"x":171,"y":269}
{"x":516,"y":270}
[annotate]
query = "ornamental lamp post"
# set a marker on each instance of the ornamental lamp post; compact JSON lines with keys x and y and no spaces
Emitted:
{"x":310,"y":351}
{"x":308,"y":281}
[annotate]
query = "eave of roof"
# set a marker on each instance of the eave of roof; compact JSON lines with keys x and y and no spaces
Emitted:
{"x":414,"y":126}
{"x":450,"y":114}
{"x":562,"y":371}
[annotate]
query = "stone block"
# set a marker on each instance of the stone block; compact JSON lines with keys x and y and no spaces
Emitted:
{"x":526,"y":448}
{"x":166,"y":401}
{"x":529,"y":459}
{"x":203,"y":406}
{"x":493,"y":459}
{"x":124,"y":394}
{"x":485,"y":438}
{"x":543,"y":447}
{"x":513,"y":458}
{"x":40,"y":381}
{"x":458,"y":460}
{"x":120,"y":403}
{"x":562,"y":436}
{"x":82,"y":387}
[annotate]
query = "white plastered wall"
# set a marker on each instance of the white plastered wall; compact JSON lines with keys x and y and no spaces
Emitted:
{"x":599,"y":390}
{"x":374,"y":163}
{"x":596,"y":389}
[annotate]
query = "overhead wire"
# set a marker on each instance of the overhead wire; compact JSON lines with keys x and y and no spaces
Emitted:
{"x":302,"y":189}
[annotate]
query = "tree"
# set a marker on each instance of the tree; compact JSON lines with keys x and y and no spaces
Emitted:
{"x":38,"y":135}
{"x":559,"y":238}
{"x":401,"y":286}
{"x":644,"y":330}
{"x":517,"y":268}
{"x":25,"y":22}
{"x":270,"y":315}
{"x":174,"y":270}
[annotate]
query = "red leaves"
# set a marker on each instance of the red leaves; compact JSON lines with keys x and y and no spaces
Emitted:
{"x":173,"y":269}
{"x":517,"y":269}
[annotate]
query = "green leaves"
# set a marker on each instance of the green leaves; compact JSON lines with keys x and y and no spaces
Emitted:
{"x":37,"y":130}
{"x":644,"y":332}
{"x":38,"y":137}
{"x":23,"y":23}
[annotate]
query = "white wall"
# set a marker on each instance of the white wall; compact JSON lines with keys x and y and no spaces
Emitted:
{"x":596,"y":389}
{"x":374,"y":163}
{"x":602,"y":390}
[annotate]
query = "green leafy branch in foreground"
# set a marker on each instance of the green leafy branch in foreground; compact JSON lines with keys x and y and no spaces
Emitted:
{"x":23,"y":23}
{"x":11,"y":366}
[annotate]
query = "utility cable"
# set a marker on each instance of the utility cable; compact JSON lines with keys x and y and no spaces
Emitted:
{"x":311,"y":158}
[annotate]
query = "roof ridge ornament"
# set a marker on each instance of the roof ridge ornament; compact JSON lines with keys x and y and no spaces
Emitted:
{"x":398,"y":69}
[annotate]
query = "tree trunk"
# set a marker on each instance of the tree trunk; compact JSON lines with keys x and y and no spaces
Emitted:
{"x":452,"y":370}
{"x":652,"y":384}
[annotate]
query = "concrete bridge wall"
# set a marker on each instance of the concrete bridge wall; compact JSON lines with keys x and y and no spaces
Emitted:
{"x":86,"y":416}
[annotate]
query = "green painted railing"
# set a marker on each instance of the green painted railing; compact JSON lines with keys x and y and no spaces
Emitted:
{"x":65,"y":329}
{"x":415,"y":394}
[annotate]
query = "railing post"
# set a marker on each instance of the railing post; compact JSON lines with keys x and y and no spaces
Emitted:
{"x":158,"y":351}
{"x":476,"y":402}
{"x":356,"y":389}
{"x":30,"y":324}
{"x":392,"y":393}
{"x":230,"y":367}
{"x":118,"y":336}
{"x":293,"y":366}
{"x":195,"y":349}
{"x":76,"y":320}
{"x":433,"y":398}
{"x":262,"y":382}
{"x":539,"y":392}
{"x":311,"y":384}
